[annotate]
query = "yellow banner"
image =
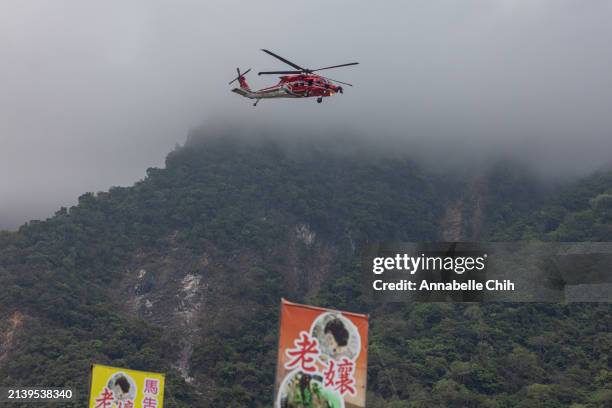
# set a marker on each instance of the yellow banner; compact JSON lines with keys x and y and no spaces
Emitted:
{"x":113,"y":387}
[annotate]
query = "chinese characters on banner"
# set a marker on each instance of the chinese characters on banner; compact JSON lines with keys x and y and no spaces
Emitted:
{"x":113,"y":387}
{"x":322,"y":358}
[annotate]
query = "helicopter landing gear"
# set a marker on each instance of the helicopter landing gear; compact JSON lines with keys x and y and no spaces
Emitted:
{"x":319,"y":99}
{"x":256,"y":102}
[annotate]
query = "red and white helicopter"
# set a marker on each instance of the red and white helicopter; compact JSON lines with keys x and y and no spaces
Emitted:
{"x":300,"y":83}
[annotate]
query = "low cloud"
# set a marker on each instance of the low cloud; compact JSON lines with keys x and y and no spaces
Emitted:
{"x":94,"y":94}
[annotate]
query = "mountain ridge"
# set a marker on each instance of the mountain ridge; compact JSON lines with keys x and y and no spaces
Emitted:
{"x":183,"y":272}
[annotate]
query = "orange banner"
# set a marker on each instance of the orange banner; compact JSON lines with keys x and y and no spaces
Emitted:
{"x":322,"y":358}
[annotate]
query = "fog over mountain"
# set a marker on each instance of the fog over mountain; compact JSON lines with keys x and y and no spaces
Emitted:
{"x":94,"y":93}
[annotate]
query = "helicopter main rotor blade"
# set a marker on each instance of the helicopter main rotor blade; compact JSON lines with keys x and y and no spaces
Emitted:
{"x":284,"y":60}
{"x":335,"y":80}
{"x":279,"y":72}
{"x":335,"y":66}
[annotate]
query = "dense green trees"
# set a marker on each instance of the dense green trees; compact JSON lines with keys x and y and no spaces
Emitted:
{"x":244,"y":199}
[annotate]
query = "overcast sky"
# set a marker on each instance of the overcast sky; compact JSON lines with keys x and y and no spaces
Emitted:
{"x":94,"y":92}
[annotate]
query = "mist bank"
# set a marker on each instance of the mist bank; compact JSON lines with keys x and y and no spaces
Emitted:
{"x":548,"y":164}
{"x":552,"y":159}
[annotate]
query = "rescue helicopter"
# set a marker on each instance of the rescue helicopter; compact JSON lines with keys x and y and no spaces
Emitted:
{"x":298,"y":83}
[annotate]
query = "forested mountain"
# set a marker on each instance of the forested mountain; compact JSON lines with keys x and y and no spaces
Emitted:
{"x":183,"y":273}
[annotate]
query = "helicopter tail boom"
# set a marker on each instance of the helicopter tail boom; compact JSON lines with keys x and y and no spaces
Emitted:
{"x":244,"y":92}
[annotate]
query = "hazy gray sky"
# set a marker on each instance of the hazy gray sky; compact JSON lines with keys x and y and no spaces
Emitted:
{"x":93,"y":93}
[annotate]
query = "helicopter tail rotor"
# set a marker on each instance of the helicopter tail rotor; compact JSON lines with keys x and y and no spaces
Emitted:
{"x":240,"y":75}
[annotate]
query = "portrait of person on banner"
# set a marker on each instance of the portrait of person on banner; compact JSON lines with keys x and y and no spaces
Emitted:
{"x":337,"y":337}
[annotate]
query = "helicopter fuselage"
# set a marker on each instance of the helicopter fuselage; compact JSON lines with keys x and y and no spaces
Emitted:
{"x":291,"y":86}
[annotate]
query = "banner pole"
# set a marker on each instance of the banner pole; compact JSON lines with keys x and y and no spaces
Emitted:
{"x":278,"y":349}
